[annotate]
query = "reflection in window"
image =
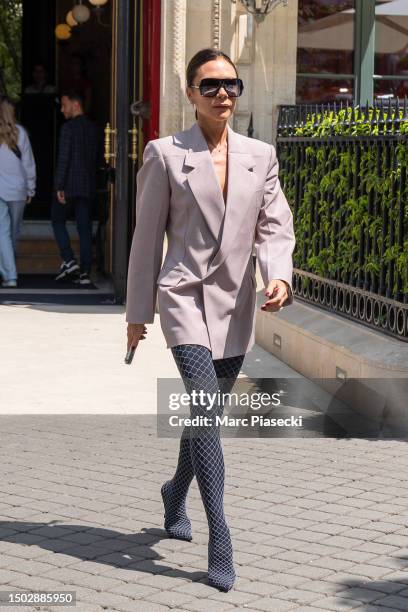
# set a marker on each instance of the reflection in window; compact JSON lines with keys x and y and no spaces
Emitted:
{"x":391,"y":88}
{"x":325,"y":45}
{"x":391,"y":47}
{"x":315,"y":90}
{"x":325,"y":36}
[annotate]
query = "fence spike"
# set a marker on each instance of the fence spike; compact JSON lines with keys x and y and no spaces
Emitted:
{"x":397,"y":120}
{"x":373,"y":117}
{"x":285,"y":123}
{"x":352,"y":117}
{"x":292,"y":120}
{"x":389,"y":121}
{"x":381,"y":121}
{"x":316,"y":118}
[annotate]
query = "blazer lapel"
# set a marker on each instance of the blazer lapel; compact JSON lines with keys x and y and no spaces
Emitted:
{"x":223,"y":220}
{"x":241,"y":188}
{"x":204,"y":183}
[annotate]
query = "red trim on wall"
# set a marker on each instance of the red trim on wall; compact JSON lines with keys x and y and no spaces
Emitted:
{"x":151,"y":65}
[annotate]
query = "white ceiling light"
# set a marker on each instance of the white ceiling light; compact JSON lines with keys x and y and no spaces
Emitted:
{"x":81,"y":13}
{"x":98,"y":2}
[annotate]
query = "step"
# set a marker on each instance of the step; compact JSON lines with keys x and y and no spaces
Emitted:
{"x":42,"y":229}
{"x":36,"y":256}
{"x":45,"y":247}
{"x":38,"y":265}
{"x":42,"y":256}
{"x":37,"y":250}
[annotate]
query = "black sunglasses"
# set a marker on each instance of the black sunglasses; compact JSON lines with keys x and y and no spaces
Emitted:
{"x":210,"y":87}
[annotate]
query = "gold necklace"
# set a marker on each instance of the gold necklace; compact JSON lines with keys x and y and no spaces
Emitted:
{"x":218,"y":148}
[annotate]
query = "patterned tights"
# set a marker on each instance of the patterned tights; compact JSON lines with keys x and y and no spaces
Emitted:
{"x":201,"y":455}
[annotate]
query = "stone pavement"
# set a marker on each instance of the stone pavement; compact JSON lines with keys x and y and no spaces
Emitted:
{"x":317,"y":524}
{"x":71,"y":361}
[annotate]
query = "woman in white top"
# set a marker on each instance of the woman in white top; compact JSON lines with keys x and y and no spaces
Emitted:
{"x":17,"y":187}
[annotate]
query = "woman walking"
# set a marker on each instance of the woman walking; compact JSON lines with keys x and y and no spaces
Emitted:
{"x":17,"y":187}
{"x":216,"y":194}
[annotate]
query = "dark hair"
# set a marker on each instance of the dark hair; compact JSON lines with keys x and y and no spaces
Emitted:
{"x":74,"y":96}
{"x":202,"y":57}
{"x":39,"y":63}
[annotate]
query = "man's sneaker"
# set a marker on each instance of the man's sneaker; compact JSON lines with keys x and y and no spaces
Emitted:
{"x":9,"y":283}
{"x":83,"y":279}
{"x":67,"y":269}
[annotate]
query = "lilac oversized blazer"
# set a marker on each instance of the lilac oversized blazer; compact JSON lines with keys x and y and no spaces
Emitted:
{"x":206,"y":288}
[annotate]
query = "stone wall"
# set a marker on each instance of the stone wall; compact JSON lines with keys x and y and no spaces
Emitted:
{"x":265,"y":55}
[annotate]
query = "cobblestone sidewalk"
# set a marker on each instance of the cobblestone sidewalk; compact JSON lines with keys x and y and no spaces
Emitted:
{"x":317,"y":524}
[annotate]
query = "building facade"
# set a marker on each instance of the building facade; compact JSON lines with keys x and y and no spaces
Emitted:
{"x":307,"y":52}
{"x":265,"y":55}
{"x":131,"y":56}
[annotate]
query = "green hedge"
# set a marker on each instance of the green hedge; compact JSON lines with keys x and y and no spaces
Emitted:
{"x":329,"y":169}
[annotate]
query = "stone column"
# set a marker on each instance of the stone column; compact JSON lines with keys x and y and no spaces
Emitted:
{"x":285,"y":51}
{"x":173,"y":53}
{"x":266,"y":60}
{"x":216,"y":23}
{"x":199,"y":35}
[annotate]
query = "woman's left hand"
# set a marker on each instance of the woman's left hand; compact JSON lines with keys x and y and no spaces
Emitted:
{"x":278,"y":292}
{"x":28,"y":200}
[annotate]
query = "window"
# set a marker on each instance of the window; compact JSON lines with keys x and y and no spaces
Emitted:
{"x":391,"y":46}
{"x":352,"y":50}
{"x":325,"y":50}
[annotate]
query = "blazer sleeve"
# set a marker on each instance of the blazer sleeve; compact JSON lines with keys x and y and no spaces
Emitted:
{"x":274,"y":234}
{"x":64,"y":156}
{"x":27,"y":159}
{"x":152,"y":207}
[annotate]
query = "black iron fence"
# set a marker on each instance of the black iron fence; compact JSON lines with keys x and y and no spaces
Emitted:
{"x":344,"y":172}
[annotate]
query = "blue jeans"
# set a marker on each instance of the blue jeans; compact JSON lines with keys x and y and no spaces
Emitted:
{"x":59,"y":215}
{"x":11,"y":217}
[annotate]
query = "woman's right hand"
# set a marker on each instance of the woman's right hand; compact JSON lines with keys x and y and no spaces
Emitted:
{"x":135,"y":332}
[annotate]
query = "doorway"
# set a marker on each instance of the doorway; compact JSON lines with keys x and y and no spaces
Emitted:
{"x":134,"y":118}
{"x":114,"y":58}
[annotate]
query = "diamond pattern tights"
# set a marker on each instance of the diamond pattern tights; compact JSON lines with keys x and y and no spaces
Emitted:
{"x":201,"y":455}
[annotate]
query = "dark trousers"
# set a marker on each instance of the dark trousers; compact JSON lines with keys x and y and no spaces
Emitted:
{"x":60,"y":213}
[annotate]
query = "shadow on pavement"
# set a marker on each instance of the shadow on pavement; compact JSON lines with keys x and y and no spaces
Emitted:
{"x":105,"y":546}
{"x":135,"y":552}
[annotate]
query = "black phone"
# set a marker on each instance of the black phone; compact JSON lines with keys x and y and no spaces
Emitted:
{"x":130,"y":355}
